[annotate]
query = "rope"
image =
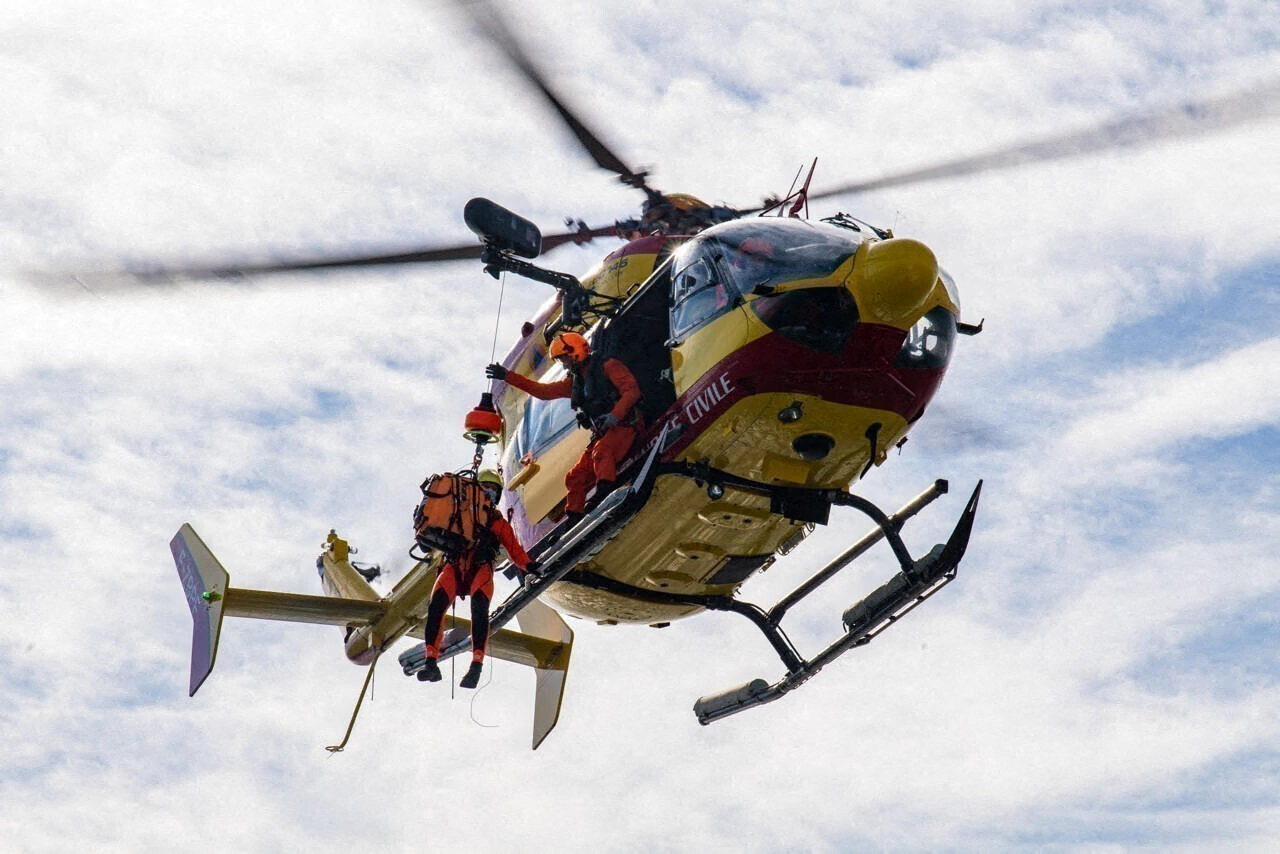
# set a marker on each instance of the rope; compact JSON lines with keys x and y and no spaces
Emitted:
{"x":493,"y":351}
{"x":337,"y":748}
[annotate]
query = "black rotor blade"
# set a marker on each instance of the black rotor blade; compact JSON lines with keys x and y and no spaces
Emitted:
{"x":488,"y":19}
{"x":159,"y":273}
{"x":1186,"y":119}
{"x":582,"y":235}
{"x":215,"y":271}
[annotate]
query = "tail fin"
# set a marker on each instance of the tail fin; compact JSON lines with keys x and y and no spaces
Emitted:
{"x":204,"y":582}
{"x":540,"y":621}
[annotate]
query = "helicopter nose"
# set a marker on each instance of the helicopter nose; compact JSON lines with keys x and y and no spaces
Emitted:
{"x":894,"y":280}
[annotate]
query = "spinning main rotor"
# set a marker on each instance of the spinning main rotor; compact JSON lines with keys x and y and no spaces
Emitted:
{"x":674,"y":213}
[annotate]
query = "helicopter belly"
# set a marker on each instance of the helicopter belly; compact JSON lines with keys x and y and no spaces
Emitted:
{"x":797,"y":439}
{"x":684,"y":541}
{"x":680,"y":542}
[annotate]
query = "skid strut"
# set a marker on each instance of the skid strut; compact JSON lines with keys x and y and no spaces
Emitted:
{"x":916,"y":581}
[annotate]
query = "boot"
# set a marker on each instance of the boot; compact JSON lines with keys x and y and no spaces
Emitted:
{"x":430,"y":672}
{"x":572,"y":517}
{"x":472,"y":677}
{"x":603,"y":488}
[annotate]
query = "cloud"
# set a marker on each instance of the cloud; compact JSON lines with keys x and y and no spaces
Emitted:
{"x":1096,"y":676}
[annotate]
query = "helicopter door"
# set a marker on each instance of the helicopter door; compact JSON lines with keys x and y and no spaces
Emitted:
{"x":707,"y":319}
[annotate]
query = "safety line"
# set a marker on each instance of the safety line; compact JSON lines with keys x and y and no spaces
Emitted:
{"x":493,"y":351}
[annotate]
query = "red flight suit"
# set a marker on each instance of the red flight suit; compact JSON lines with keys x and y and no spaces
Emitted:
{"x":471,"y":575}
{"x":600,"y":460}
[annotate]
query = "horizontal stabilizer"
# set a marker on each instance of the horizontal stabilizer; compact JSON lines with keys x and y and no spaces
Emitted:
{"x":545,"y":644}
{"x":301,"y":608}
{"x":504,"y":644}
{"x":210,"y":598}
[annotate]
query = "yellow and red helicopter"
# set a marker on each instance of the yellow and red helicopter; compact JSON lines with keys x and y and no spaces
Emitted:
{"x":780,"y":358}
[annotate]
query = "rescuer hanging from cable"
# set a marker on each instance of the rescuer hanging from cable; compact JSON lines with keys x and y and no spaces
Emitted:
{"x":604,"y":393}
{"x":471,"y":574}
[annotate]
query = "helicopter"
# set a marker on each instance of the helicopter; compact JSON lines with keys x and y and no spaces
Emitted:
{"x":780,"y":360}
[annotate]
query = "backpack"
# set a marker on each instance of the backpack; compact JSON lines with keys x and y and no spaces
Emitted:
{"x":453,"y":513}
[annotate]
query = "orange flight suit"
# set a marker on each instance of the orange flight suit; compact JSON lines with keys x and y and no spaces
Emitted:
{"x":600,"y":460}
{"x":471,"y":575}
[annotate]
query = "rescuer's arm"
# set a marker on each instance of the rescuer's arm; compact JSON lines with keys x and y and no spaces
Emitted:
{"x":542,"y":391}
{"x":628,"y":390}
{"x":502,"y":530}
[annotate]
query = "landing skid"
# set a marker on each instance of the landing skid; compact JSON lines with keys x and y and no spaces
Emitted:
{"x":913,"y":584}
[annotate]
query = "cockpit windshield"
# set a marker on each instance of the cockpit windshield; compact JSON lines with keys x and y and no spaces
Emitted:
{"x":762,"y":251}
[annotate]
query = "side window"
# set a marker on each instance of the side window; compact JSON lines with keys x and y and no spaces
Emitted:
{"x":698,"y":293}
{"x":544,"y":422}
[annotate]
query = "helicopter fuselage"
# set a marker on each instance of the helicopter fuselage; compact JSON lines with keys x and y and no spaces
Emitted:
{"x":781,"y":351}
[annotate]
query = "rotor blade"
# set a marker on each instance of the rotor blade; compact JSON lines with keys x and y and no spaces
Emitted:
{"x":159,"y":273}
{"x":582,"y":235}
{"x":1187,"y":119}
{"x":488,"y":19}
{"x":214,"y":271}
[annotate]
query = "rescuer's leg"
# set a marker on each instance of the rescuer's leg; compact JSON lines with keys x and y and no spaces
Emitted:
{"x":442,"y":594}
{"x":481,"y":595}
{"x":606,"y":453}
{"x":579,"y":479}
{"x":479,"y":639}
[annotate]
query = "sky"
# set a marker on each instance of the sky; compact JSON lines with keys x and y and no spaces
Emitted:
{"x":1102,"y":675}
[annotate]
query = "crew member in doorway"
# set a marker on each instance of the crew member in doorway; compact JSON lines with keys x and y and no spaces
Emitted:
{"x":471,"y":574}
{"x":605,"y":395}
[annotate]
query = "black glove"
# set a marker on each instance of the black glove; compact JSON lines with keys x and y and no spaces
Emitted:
{"x":605,"y":422}
{"x":534,"y":569}
{"x":495,"y":372}
{"x":584,"y":420}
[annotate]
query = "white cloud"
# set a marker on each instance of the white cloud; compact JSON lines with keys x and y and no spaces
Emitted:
{"x":1061,"y":693}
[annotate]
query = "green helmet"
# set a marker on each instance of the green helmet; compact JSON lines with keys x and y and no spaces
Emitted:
{"x":490,"y":476}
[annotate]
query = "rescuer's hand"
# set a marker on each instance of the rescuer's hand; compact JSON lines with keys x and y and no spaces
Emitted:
{"x":534,"y":569}
{"x":605,"y":422}
{"x":584,"y":420}
{"x":495,"y":372}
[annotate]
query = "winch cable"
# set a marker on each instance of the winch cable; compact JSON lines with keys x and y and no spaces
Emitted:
{"x":475,"y":468}
{"x":493,"y":354}
{"x":493,"y":351}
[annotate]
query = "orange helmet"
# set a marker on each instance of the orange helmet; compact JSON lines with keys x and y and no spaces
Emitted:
{"x":570,"y":344}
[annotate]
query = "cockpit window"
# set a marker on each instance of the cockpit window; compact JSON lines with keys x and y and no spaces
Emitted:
{"x":929,"y":342}
{"x":763,"y":252}
{"x":699,"y":292}
{"x":949,"y":284}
